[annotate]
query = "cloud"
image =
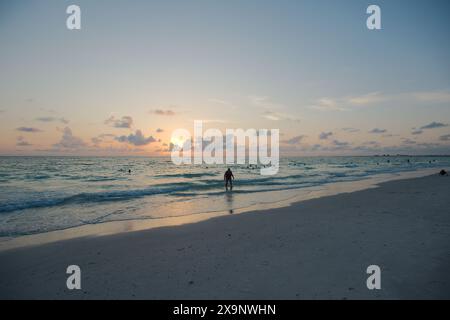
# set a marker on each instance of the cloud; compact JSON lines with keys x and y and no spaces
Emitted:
{"x":336,"y":147}
{"x":213,"y":121}
{"x":21,"y":142}
{"x":277,"y":116}
{"x":223,"y":103}
{"x":409,"y":141}
{"x":265,"y":102}
{"x":390,"y":135}
{"x":69,"y":141}
{"x":351,"y":130}
{"x":28,"y":129}
{"x":372,"y":143}
{"x":168,"y":148}
{"x":445,"y":137}
{"x":271,"y":116}
{"x":324,"y":104}
{"x":417,"y":132}
{"x":52,"y":119}
{"x":325,"y":135}
{"x":344,"y":103}
{"x":366,"y":99}
{"x":434,"y":125}
{"x":378,"y":130}
{"x":294,"y":140}
{"x":124,"y":122}
{"x":340,"y":143}
{"x":96,"y":141}
{"x":373,"y":98}
{"x":159,"y":130}
{"x":137,"y":139}
{"x":161,"y":112}
{"x":106,"y":135}
{"x":271,"y":110}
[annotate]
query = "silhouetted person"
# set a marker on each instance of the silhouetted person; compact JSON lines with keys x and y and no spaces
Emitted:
{"x":228,"y":177}
{"x":443,"y":173}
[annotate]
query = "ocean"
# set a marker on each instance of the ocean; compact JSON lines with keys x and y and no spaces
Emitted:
{"x":40,"y":194}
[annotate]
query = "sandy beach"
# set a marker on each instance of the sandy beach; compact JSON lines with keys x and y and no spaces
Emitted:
{"x":314,"y":249}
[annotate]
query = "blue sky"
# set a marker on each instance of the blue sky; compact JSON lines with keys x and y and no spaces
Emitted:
{"x":308,"y":68}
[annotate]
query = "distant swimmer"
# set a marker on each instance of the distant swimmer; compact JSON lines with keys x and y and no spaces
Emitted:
{"x":443,"y":173}
{"x":129,"y":170}
{"x":228,"y":177}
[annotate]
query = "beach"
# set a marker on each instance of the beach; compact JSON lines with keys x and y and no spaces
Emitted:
{"x":314,"y":249}
{"x":226,"y":150}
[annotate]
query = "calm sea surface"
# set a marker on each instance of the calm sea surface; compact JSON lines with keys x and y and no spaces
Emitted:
{"x":39,"y":194}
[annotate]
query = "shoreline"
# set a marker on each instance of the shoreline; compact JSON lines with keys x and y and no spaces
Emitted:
{"x":314,"y":249}
{"x":133,"y":225}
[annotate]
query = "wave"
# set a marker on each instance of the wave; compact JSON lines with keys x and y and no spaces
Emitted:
{"x":92,"y":197}
{"x":37,"y":177}
{"x":195,"y":187}
{"x":187,"y":175}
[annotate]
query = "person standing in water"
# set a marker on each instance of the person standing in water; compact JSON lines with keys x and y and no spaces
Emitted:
{"x":228,"y":177}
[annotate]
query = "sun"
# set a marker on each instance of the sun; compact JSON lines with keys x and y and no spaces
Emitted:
{"x":178,"y":141}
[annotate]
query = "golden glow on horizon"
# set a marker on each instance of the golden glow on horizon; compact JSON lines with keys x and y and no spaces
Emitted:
{"x":178,"y":141}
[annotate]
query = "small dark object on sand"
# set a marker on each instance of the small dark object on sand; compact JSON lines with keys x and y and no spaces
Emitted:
{"x":443,"y":173}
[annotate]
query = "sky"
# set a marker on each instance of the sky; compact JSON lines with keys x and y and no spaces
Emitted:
{"x":138,"y":70}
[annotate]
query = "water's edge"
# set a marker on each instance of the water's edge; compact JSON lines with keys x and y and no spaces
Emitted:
{"x":115,"y":227}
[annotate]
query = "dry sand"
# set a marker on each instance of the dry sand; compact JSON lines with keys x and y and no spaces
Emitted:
{"x":314,"y":249}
